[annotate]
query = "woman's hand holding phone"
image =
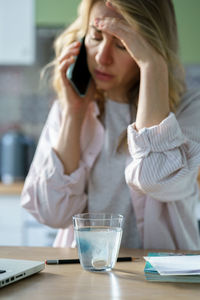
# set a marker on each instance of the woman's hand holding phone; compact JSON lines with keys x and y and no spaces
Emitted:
{"x":78,"y":72}
{"x":72,"y":101}
{"x":74,"y":108}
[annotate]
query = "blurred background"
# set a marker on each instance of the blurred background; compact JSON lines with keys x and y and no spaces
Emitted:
{"x":27,"y":31}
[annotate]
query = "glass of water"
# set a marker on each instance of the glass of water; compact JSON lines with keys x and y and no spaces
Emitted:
{"x":98,"y":238}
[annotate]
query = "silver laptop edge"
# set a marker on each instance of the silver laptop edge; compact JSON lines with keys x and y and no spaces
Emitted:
{"x":15,"y":269}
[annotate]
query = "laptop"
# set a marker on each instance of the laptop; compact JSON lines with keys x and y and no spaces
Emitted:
{"x":12,"y":270}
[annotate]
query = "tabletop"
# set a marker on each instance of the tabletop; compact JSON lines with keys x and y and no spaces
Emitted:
{"x":125,"y":281}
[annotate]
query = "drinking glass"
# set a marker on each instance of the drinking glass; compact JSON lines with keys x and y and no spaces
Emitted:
{"x":98,"y":238}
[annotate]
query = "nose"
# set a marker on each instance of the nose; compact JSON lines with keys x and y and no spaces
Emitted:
{"x":104,"y":54}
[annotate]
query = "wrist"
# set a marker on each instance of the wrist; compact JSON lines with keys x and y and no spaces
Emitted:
{"x":156,"y":67}
{"x":73,"y":113}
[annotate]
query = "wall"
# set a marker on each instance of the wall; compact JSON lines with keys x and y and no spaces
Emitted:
{"x":25,"y":99}
{"x":55,"y":12}
{"x":61,"y":12}
{"x":188,"y":20}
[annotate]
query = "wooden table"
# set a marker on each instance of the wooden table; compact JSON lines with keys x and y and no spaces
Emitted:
{"x":126,"y":281}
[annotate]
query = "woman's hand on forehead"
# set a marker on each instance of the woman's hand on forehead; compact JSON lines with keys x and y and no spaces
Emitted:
{"x":140,"y":50}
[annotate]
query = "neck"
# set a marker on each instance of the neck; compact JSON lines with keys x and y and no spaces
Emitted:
{"x":115,"y":96}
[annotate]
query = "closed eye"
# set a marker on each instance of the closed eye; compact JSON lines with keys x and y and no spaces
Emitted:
{"x":95,"y":33}
{"x":121,"y":46}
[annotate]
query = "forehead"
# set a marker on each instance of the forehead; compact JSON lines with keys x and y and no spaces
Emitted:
{"x":100,"y":10}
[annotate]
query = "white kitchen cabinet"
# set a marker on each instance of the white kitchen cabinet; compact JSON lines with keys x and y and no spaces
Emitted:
{"x":17,"y":32}
{"x":19,"y":228}
{"x":34,"y":233}
{"x":10,"y":221}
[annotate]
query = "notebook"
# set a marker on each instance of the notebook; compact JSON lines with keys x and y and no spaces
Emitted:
{"x":12,"y":270}
{"x":152,"y":274}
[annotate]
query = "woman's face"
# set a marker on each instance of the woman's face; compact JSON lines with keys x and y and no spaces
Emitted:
{"x":111,"y":66}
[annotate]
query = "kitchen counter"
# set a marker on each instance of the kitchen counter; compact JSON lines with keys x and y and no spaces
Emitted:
{"x":11,"y":189}
{"x":16,"y":188}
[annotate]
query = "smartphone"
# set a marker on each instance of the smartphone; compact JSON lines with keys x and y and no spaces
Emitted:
{"x":78,"y":72}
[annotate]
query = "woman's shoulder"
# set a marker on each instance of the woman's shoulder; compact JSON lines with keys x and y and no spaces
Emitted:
{"x":190,"y":100}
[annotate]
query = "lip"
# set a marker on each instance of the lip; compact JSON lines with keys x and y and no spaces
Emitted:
{"x":103,"y":76}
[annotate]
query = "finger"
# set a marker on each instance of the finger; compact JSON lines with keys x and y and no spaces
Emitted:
{"x":64,"y":65}
{"x":72,"y":50}
{"x":111,"y":6}
{"x":72,"y":53}
{"x":120,"y":29}
{"x":115,"y":26}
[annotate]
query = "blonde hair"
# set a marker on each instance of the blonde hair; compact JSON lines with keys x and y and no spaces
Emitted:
{"x":73,"y":33}
{"x":157,"y":24}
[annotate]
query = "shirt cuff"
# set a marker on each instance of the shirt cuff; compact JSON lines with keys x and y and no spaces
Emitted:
{"x":159,"y":138}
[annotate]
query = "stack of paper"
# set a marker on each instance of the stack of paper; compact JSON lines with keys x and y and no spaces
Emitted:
{"x":168,"y":267}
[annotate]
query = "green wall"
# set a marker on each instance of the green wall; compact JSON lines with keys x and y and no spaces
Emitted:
{"x":55,"y":12}
{"x":61,"y":12}
{"x":188,"y":20}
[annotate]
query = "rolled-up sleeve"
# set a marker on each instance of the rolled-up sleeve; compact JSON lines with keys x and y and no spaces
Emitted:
{"x":164,"y":161}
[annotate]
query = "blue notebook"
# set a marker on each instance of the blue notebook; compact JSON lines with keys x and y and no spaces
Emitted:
{"x":152,"y":275}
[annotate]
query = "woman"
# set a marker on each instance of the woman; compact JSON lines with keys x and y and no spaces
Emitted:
{"x":137,"y":83}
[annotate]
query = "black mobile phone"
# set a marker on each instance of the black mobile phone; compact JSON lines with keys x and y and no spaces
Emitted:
{"x":78,"y":72}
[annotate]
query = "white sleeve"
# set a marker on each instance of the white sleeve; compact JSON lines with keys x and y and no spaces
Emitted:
{"x":166,"y":157}
{"x":51,"y":196}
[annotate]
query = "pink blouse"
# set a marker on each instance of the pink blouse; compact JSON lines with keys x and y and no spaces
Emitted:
{"x":161,"y":173}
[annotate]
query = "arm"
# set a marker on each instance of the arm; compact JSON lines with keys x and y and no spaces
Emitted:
{"x":163,"y":158}
{"x":50,"y":195}
{"x":74,"y":109}
{"x":153,"y":101}
{"x":166,"y":157}
{"x":54,"y":188}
